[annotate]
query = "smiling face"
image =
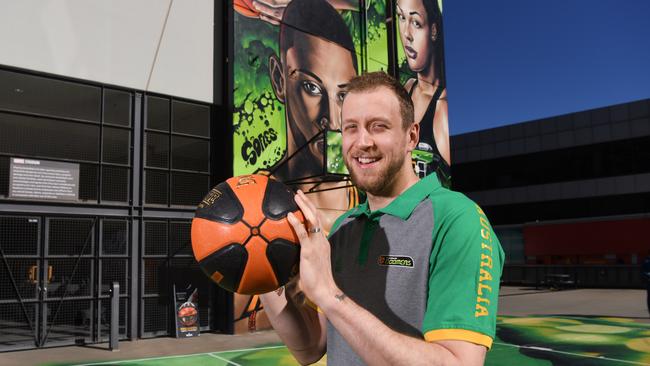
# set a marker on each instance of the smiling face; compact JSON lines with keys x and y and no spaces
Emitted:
{"x":316,"y":73}
{"x":417,"y":32}
{"x":376,"y":145}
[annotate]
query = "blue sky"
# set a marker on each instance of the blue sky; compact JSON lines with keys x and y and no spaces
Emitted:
{"x":518,"y":60}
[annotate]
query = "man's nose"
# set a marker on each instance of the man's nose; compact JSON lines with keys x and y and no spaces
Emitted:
{"x":364,"y":140}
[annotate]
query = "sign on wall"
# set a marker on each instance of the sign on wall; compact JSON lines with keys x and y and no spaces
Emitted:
{"x":43,"y":180}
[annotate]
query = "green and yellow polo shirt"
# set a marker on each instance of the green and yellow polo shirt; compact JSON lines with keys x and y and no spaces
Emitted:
{"x":427,"y":265}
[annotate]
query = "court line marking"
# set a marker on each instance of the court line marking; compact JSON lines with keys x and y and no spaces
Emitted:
{"x":174,"y":356}
{"x":320,"y":362}
{"x":223,"y":359}
{"x":139,"y":359}
{"x":248,"y":349}
{"x":571,"y":353}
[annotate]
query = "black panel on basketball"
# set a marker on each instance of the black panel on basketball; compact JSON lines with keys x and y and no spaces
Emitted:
{"x":221,"y":205}
{"x":230,"y":261}
{"x":278,"y":200}
{"x":282,"y":255}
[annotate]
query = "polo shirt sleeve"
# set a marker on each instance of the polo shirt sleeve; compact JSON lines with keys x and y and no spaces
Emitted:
{"x":464,"y":273}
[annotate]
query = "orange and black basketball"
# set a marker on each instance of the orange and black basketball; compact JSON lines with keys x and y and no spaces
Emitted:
{"x":241,"y":236}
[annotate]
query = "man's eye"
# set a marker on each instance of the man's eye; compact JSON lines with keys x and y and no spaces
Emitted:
{"x":312,"y":88}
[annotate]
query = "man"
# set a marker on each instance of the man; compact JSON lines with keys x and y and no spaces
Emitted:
{"x":409,"y":277}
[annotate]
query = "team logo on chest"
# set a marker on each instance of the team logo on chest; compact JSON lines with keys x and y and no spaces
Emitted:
{"x":395,"y":261}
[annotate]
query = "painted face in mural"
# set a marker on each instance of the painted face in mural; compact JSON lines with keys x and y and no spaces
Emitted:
{"x":418,"y":33}
{"x":376,"y":146}
{"x":311,"y":80}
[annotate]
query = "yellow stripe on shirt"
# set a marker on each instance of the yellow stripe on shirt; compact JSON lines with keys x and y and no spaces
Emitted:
{"x":458,"y":335}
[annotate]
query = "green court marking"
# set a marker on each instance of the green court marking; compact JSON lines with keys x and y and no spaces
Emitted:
{"x":501,"y":354}
{"x":169,"y":360}
{"x":578,"y":355}
{"x":577,"y":340}
{"x":525,"y":341}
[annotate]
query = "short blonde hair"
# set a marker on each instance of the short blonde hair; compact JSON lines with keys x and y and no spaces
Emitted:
{"x":373,"y":80}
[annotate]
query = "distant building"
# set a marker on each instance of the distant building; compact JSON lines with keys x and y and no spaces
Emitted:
{"x":568,"y":193}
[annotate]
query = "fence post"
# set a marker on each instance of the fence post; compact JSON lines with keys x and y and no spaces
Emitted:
{"x":113,"y":344}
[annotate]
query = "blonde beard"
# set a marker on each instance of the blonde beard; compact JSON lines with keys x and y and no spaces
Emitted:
{"x":379,"y":185}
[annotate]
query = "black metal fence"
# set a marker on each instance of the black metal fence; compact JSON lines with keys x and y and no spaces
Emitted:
{"x":55,"y":277}
{"x":144,"y":162}
{"x":584,"y":276}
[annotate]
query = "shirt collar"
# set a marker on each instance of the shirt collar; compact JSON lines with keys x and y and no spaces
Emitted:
{"x":404,"y":204}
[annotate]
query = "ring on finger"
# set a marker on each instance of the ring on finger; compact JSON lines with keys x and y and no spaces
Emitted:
{"x":313,"y":230}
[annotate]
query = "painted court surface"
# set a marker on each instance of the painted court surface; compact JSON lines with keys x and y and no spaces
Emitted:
{"x":528,"y":340}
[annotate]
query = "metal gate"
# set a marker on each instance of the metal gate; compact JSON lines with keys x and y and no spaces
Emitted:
{"x":58,"y":272}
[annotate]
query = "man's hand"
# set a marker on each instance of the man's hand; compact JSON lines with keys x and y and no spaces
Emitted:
{"x":316,"y":279}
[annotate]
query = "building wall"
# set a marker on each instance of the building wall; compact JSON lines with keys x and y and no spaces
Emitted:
{"x":566,"y":190}
{"x":143,"y":162}
{"x":162,"y":46}
{"x":589,"y":154}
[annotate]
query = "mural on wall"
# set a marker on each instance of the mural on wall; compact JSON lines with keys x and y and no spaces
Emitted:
{"x":421,"y":63}
{"x":292,"y":61}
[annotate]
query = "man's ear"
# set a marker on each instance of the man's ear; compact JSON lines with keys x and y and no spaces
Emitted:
{"x":413,"y":136}
{"x":277,"y":77}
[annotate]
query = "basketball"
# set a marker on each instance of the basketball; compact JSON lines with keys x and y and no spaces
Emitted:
{"x":241,"y":237}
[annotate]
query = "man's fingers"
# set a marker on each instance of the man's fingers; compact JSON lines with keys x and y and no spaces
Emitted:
{"x":312,"y":207}
{"x":298,"y":227}
{"x":310,"y":215}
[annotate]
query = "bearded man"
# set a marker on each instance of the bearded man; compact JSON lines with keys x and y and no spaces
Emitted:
{"x":411,"y":276}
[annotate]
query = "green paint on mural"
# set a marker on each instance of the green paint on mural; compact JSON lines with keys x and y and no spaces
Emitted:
{"x":259,"y":139}
{"x":335,"y":164}
{"x":260,"y":136}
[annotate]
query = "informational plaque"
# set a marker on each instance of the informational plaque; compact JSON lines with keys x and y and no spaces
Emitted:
{"x":43,"y":180}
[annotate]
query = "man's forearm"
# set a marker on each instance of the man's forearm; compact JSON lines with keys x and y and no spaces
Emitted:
{"x":377,"y":344}
{"x":297,"y":325}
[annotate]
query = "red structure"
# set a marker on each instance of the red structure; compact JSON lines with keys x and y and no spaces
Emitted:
{"x":594,"y":242}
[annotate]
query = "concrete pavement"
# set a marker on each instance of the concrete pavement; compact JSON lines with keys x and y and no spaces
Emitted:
{"x":516,"y":301}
